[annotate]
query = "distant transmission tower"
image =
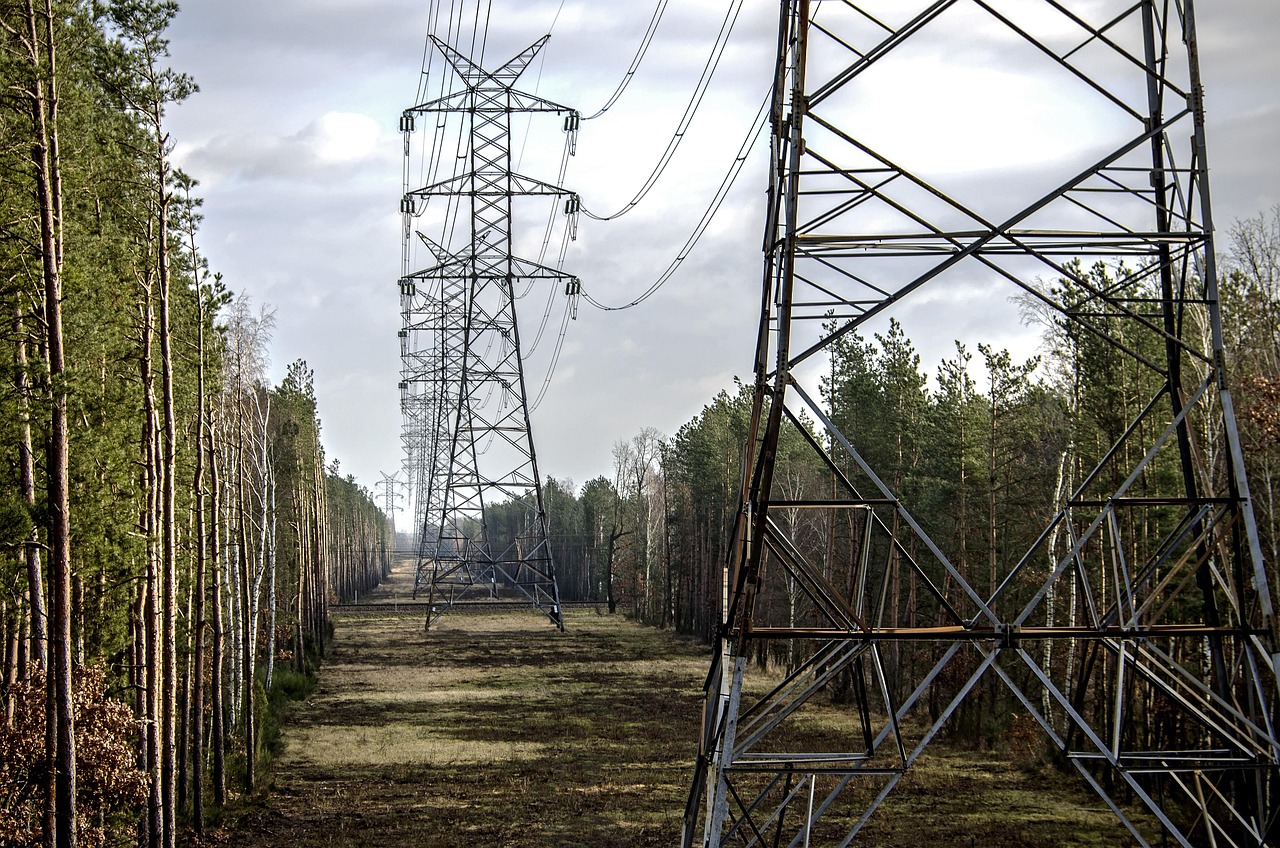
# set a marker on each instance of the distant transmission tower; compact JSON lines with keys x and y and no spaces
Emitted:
{"x":1137,"y":631}
{"x":464,"y":400}
{"x":390,"y":482}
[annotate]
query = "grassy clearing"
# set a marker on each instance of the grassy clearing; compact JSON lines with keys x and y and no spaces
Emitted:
{"x":490,"y":730}
{"x":498,"y":730}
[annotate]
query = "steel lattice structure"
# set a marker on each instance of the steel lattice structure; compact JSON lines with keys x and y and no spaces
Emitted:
{"x":466,"y":431}
{"x":1144,"y":602}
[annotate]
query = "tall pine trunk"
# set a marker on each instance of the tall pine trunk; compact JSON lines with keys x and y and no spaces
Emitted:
{"x":245,"y":582}
{"x":60,"y":813}
{"x":151,"y":460}
{"x":271,"y":586}
{"x":39,"y":650}
{"x":168,"y":462}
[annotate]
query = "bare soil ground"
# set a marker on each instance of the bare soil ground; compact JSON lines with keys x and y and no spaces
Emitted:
{"x":499,"y":730}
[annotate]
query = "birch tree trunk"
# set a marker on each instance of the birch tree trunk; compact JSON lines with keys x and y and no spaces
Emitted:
{"x":217,"y":672}
{"x":201,"y":551}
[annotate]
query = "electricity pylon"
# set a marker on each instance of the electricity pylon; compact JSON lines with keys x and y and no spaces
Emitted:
{"x":1137,"y":631}
{"x":390,"y":482}
{"x":429,"y":365}
{"x":467,"y":414}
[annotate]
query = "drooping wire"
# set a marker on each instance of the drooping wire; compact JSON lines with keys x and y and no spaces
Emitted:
{"x":420,"y":96}
{"x":635,"y":62}
{"x":555,"y":356}
{"x":537,"y":85}
{"x":551,"y":213}
{"x":699,"y":91}
{"x":432,"y":159}
{"x":530,"y":347}
{"x":725,"y":185}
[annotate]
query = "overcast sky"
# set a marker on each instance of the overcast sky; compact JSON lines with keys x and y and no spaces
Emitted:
{"x":294,"y":140}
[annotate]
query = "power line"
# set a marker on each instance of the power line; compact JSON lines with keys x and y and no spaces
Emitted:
{"x":725,"y":185}
{"x":635,"y":63}
{"x":569,"y":312}
{"x":559,"y":9}
{"x":699,"y":91}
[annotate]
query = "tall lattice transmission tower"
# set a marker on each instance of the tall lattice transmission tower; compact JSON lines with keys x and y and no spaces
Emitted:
{"x":466,"y":432}
{"x":1136,"y":630}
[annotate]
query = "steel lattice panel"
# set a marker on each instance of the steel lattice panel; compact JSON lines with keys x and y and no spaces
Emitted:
{"x":1146,"y":580}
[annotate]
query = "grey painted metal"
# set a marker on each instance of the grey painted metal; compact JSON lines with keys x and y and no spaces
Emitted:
{"x":467,"y":435}
{"x":1093,"y":624}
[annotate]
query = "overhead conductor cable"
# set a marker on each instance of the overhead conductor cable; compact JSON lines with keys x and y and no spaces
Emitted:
{"x":725,"y":185}
{"x":699,"y":91}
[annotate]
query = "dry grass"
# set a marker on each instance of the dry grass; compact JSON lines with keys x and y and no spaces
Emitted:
{"x":498,"y":730}
{"x":490,"y":730}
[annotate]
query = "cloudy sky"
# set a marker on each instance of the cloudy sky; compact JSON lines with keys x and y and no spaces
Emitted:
{"x":294,"y":140}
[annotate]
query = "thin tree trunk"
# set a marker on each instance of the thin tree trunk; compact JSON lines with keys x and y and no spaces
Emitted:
{"x":267,"y":484}
{"x":202,"y":549}
{"x":137,"y":679}
{"x":271,"y":587}
{"x":39,"y":650}
{"x":217,"y":734}
{"x":319,"y":541}
{"x":168,"y":462}
{"x":231,"y":578}
{"x":151,"y":612}
{"x":246,"y":608}
{"x":77,"y":620}
{"x":21,"y":638}
{"x":150,"y":521}
{"x":60,"y":809}
{"x":299,"y":618}
{"x":183,"y":718}
{"x":9,"y":623}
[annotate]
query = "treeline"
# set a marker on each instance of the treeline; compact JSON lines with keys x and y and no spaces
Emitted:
{"x":983,"y":451}
{"x":170,"y":536}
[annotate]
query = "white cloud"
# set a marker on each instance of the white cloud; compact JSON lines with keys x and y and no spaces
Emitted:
{"x":329,"y":147}
{"x":341,"y":137}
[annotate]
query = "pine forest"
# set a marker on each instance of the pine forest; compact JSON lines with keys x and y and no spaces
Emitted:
{"x":171,"y":531}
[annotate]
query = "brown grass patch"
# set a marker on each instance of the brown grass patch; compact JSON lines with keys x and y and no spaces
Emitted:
{"x":499,"y":730}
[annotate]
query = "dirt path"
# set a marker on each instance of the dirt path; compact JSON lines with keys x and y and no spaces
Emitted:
{"x":492,"y":730}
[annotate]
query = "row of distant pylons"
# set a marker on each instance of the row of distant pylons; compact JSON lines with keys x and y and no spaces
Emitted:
{"x":464,"y":404}
{"x":1136,"y":635}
